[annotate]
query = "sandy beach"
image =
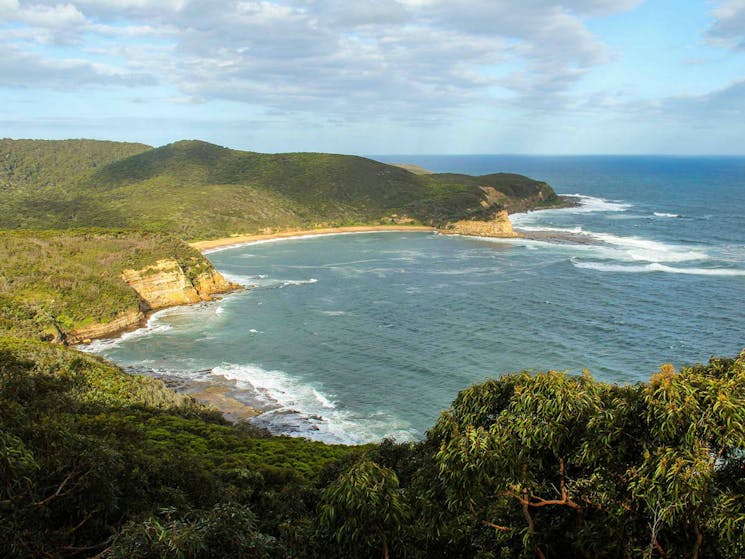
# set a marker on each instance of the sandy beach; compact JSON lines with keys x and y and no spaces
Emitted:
{"x":243,"y":239}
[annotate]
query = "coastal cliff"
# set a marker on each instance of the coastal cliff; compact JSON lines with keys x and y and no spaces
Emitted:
{"x":499,"y":226}
{"x":73,"y":286}
{"x":126,"y":321}
{"x":163,"y":284}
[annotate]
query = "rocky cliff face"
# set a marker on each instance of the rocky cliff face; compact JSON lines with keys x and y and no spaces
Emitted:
{"x":500,"y":226}
{"x":165,"y":284}
{"x":123,"y":322}
{"x":543,"y":197}
{"x":211,"y":282}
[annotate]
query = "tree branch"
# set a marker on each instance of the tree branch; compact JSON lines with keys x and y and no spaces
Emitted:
{"x":57,"y":493}
{"x":697,"y":545}
{"x":496,"y":526}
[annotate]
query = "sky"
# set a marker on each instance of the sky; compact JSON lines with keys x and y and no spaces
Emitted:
{"x":380,"y":76}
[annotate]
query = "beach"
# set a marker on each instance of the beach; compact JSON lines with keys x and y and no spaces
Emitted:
{"x":244,"y":239}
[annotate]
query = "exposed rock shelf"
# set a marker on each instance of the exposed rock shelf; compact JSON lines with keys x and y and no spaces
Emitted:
{"x":125,"y":321}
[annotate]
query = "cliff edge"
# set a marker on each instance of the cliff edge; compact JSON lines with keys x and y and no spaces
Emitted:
{"x":499,"y":226}
{"x":73,"y":286}
{"x":166,"y":284}
{"x":161,"y":285}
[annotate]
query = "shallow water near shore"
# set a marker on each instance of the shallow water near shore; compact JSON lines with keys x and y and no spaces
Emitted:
{"x":353,"y":338}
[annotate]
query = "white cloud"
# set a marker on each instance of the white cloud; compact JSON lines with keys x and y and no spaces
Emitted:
{"x":722,"y":108}
{"x":19,"y":69}
{"x":402,"y":57}
{"x":7,"y":7}
{"x":600,"y":7}
{"x":728,"y":29}
{"x":57,"y":16}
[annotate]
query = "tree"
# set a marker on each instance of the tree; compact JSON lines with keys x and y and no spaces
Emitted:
{"x":364,"y":510}
{"x":226,"y":530}
{"x":559,"y":465}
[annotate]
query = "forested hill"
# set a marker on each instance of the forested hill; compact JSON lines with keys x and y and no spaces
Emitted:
{"x":199,"y":190}
{"x":29,"y":164}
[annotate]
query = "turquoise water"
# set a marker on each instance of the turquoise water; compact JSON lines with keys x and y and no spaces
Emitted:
{"x":355,"y":337}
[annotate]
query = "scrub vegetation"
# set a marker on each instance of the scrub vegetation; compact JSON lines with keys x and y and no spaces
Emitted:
{"x":97,"y":462}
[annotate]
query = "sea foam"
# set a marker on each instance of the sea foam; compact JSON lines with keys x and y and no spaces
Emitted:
{"x":647,"y":250}
{"x":153,"y":326}
{"x":656,"y":267}
{"x":301,"y":409}
{"x":665,"y":214}
{"x":587,"y":204}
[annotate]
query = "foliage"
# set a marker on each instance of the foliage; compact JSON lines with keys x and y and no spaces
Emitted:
{"x":53,"y":282}
{"x":199,"y":190}
{"x":42,"y":163}
{"x":86,"y":448}
{"x":364,"y":510}
{"x":556,"y":465}
{"x":226,"y":530}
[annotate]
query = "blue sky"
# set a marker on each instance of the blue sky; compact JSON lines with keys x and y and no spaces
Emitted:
{"x":380,"y":76}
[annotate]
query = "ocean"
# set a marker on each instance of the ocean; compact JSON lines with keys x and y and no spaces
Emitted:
{"x":352,"y":338}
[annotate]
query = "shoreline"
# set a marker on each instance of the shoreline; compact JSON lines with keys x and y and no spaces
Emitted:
{"x":239,"y":240}
{"x":222,"y":394}
{"x":211,"y":245}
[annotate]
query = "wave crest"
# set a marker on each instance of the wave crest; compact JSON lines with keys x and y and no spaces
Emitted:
{"x":299,"y":409}
{"x":656,"y":267}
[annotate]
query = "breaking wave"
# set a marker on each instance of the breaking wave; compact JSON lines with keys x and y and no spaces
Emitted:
{"x":646,"y":250}
{"x":300,"y":409}
{"x":153,"y":326}
{"x":656,"y":267}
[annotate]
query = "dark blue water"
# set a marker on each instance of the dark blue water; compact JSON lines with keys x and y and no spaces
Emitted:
{"x":356,"y":337}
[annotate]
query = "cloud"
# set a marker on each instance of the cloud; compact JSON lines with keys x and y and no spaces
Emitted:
{"x":19,"y":69}
{"x":601,"y":7}
{"x":722,"y":108}
{"x":728,"y":29}
{"x":428,"y":58}
{"x":721,"y":105}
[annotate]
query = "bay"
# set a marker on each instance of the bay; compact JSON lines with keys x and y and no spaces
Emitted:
{"x":352,"y":338}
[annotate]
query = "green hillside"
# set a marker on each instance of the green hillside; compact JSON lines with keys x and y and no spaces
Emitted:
{"x":44,"y":163}
{"x":86,"y":448}
{"x":199,"y":190}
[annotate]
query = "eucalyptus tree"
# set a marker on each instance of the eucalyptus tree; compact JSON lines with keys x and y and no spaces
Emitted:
{"x":557,"y":465}
{"x":364,"y":511}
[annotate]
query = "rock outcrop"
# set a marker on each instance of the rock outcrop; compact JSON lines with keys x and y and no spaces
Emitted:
{"x":211,"y":282}
{"x":166,"y":284}
{"x":125,"y":321}
{"x":499,"y":226}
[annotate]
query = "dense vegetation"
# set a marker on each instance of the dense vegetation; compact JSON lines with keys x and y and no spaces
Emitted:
{"x":198,"y":190}
{"x":97,"y":462}
{"x":52,"y":282}
{"x":32,"y":164}
{"x":87,"y":451}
